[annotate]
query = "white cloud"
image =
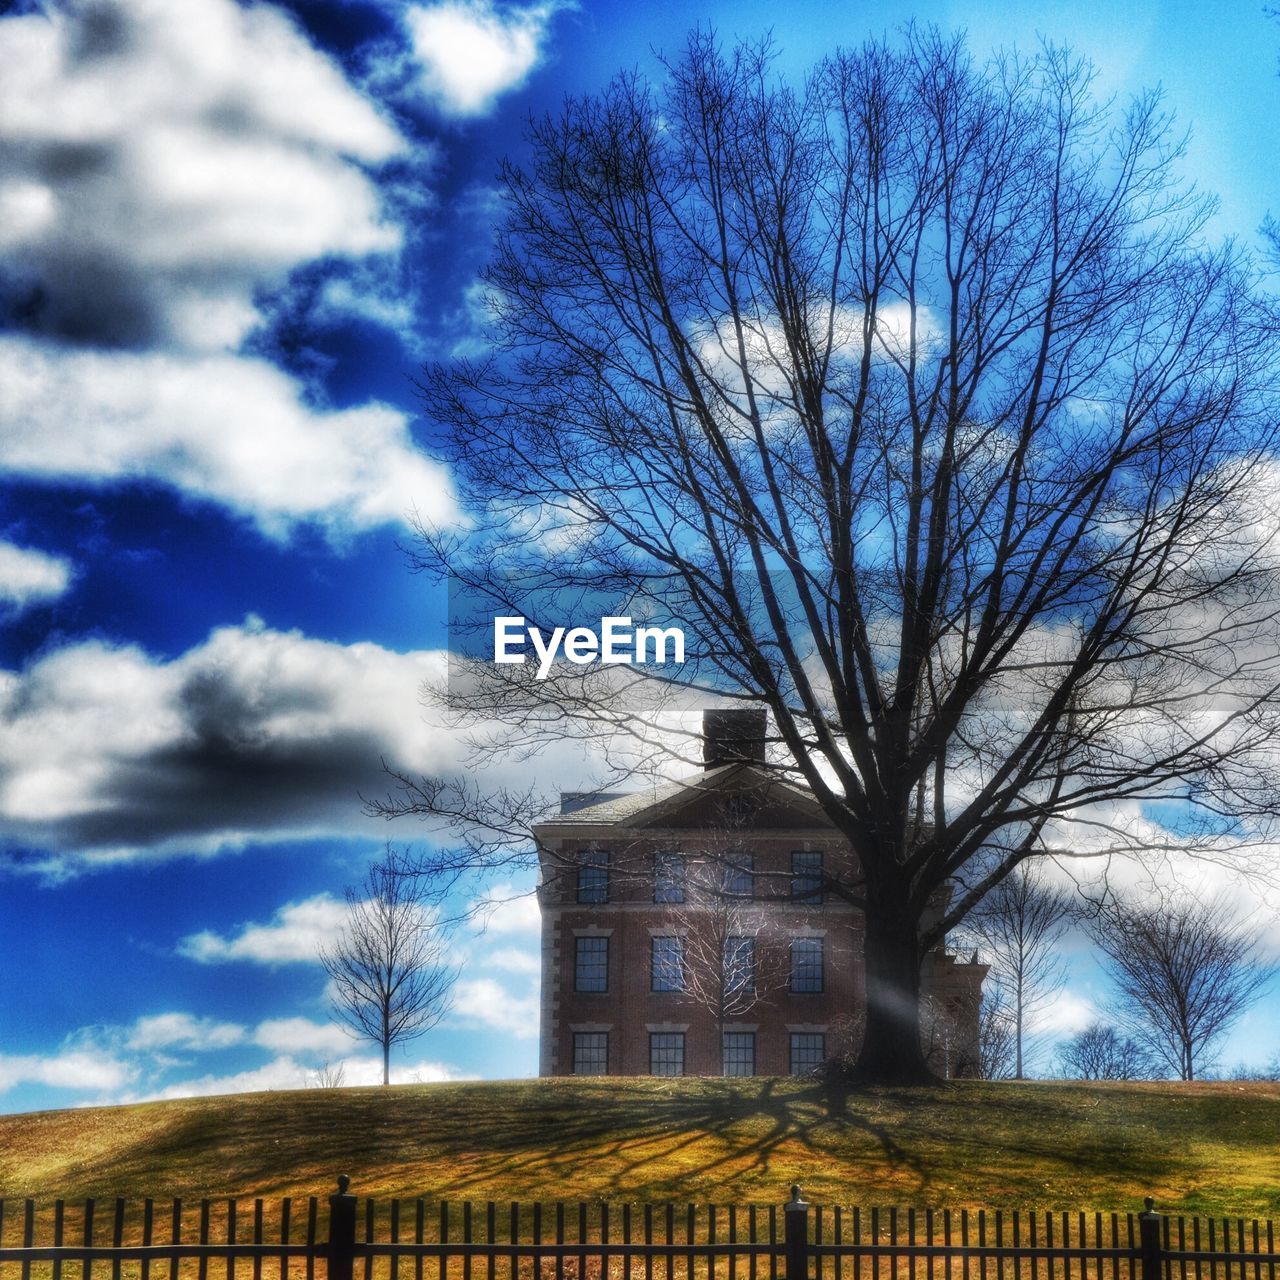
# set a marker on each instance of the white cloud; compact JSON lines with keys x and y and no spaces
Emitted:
{"x":121,"y":1064}
{"x":183,"y":1031}
{"x":225,"y":428}
{"x":292,"y":1036}
{"x":1068,"y":1012}
{"x":482,"y":1002}
{"x":109,"y":754}
{"x":472,"y":321}
{"x":162,"y":161}
{"x":472,"y":52}
{"x":106,"y":752}
{"x":512,"y":960}
{"x":286,"y":1072}
{"x":366,"y":1071}
{"x":280,"y":1073}
{"x":77,"y":1069}
{"x":31,"y":577}
{"x":162,"y":165}
{"x":295,"y":935}
{"x":502,"y":909}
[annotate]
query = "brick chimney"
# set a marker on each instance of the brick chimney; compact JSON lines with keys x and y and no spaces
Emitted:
{"x":729,"y":737}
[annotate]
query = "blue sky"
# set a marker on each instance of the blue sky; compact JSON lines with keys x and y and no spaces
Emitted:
{"x":229,"y":236}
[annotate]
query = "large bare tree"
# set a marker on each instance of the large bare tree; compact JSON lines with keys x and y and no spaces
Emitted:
{"x":391,"y":979}
{"x":918,"y":393}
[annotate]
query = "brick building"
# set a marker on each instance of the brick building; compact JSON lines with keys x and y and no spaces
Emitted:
{"x":687,"y":929}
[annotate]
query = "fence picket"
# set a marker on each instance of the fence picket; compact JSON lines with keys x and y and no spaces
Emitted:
{"x":513,"y":1235}
{"x":148,"y":1219}
{"x":87,"y":1271}
{"x":419,"y":1234}
{"x":370,"y":1233}
{"x":286,"y":1211}
{"x":559,"y":1241}
{"x":28,"y":1233}
{"x":231,"y":1239}
{"x":59,"y":1210}
{"x":175,"y":1235}
{"x":313,"y":1209}
{"x":773,"y":1240}
{"x":537,"y":1239}
{"x":442,"y":1269}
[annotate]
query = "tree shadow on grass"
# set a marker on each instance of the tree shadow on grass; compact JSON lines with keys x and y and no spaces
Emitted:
{"x":636,"y":1140}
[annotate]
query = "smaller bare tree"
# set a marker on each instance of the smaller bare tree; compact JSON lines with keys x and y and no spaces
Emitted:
{"x":329,"y":1075}
{"x":1270,"y":1071}
{"x":1015,"y":929}
{"x":391,"y":978}
{"x":1100,"y":1052}
{"x":732,"y":962}
{"x":997,"y":1037}
{"x":1185,"y":970}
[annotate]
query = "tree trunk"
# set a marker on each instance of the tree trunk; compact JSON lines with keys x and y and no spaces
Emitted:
{"x":386,"y":1062}
{"x":891,"y":1052}
{"x":1017,"y":1074}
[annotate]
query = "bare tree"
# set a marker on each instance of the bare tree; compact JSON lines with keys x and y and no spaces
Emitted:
{"x":733,"y":962}
{"x":1016,"y":929}
{"x":1100,"y":1052}
{"x":997,"y":1034}
{"x":329,"y":1075}
{"x":391,"y":980}
{"x":1185,"y":970}
{"x":1245,"y":1071}
{"x":919,"y":396}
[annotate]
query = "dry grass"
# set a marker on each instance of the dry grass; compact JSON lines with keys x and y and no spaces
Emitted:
{"x":1204,"y":1148}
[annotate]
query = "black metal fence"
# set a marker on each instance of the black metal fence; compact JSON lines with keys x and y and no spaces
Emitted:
{"x":412,"y":1240}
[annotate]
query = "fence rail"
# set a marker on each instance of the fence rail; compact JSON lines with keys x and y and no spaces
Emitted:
{"x":412,"y":1240}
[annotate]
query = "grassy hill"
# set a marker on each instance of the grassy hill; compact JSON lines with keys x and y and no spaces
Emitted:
{"x":1203,"y":1148}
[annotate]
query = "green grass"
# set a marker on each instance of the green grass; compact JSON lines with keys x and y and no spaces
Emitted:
{"x":1203,"y":1148}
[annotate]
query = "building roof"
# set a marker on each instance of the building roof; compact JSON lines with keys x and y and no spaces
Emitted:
{"x":663,"y":805}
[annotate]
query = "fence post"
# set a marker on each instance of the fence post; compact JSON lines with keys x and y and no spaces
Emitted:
{"x":1149,"y":1223}
{"x":796,"y":1215}
{"x":342,"y":1231}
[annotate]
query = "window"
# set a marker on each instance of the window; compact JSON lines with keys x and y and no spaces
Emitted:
{"x":593,"y":876}
{"x":806,"y":965}
{"x":806,"y":875}
{"x":667,"y":973}
{"x":739,"y":966}
{"x":668,"y":877}
{"x":739,"y":876}
{"x":666,"y":1053}
{"x":590,"y":1053}
{"x":808,"y":1050}
{"x":739,"y":1053}
{"x":591,"y":964}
